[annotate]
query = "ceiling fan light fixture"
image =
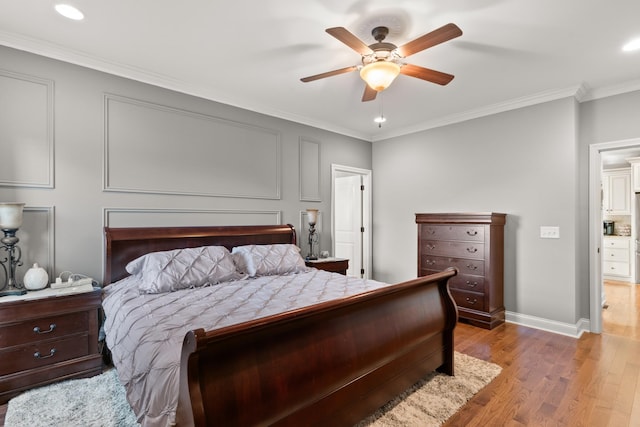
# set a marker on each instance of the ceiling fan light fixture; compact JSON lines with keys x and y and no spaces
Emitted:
{"x":380,"y":74}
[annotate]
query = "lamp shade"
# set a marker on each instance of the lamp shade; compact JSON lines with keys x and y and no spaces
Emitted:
{"x":379,"y":74}
{"x":312,"y":214}
{"x":11,"y":215}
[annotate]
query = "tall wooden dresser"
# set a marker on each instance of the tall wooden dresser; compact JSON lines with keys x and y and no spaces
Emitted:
{"x":474,"y":244}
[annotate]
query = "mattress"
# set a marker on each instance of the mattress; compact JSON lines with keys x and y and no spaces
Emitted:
{"x":145,"y":331}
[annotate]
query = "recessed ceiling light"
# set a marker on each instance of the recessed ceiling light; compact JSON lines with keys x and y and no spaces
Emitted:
{"x":69,"y":11}
{"x":632,"y":45}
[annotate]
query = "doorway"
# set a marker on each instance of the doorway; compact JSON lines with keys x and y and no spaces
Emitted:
{"x":351,"y":218}
{"x":596,"y":285}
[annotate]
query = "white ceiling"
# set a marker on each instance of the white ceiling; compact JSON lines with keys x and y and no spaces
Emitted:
{"x":252,"y":54}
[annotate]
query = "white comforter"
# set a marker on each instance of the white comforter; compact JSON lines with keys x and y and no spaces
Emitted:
{"x":145,"y":332}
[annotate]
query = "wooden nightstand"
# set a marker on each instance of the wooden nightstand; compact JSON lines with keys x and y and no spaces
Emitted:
{"x":335,"y":265}
{"x":47,"y":338}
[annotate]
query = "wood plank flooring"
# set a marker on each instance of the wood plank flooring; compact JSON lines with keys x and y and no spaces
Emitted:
{"x":553,"y":380}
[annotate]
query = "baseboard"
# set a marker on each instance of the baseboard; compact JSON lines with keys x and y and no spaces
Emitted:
{"x":568,"y":329}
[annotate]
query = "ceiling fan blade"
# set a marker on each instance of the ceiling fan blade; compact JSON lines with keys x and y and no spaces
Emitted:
{"x":369,"y":94}
{"x":329,"y":74}
{"x":435,"y":37}
{"x":427,"y":74}
{"x":346,"y":37}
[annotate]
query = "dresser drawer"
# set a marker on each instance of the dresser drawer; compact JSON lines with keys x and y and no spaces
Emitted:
{"x":453,"y":232}
{"x":619,"y":243}
{"x":31,"y":331}
{"x":467,"y":299}
{"x":621,"y":255}
{"x":43,"y":353}
{"x":453,"y":249}
{"x":616,"y":268}
{"x":464,"y":266}
{"x":467,"y":282}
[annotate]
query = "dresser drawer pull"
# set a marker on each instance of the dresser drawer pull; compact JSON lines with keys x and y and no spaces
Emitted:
{"x":430,"y":247}
{"x":429,"y":262}
{"x":472,"y":232}
{"x":472,"y":250}
{"x":38,"y":331}
{"x":472,"y":267}
{"x":472,"y":284}
{"x":472,"y":301}
{"x":37,"y":354}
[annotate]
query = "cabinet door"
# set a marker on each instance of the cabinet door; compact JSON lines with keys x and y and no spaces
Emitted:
{"x":636,"y":177}
{"x":616,"y":192}
{"x":620,"y":194}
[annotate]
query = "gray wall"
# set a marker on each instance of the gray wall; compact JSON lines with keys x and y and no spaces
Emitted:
{"x":521,"y":162}
{"x":91,"y":149}
{"x":531,"y":163}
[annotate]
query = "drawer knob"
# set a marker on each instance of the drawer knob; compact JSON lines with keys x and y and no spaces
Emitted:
{"x":472,"y":250}
{"x":37,"y":354}
{"x":472,"y":301}
{"x":37,"y":329}
{"x":430,"y":247}
{"x":472,"y":284}
{"x":472,"y":232}
{"x":472,"y":267}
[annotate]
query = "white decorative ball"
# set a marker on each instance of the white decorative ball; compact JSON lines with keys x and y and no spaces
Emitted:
{"x":36,"y":278}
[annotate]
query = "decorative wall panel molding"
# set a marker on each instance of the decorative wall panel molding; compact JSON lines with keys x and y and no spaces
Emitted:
{"x":131,"y":217}
{"x":37,"y":240}
{"x":309,"y":165}
{"x":151,"y":148}
{"x":26,"y":130}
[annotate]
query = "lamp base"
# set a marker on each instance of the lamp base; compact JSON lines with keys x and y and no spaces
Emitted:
{"x":10,"y":290}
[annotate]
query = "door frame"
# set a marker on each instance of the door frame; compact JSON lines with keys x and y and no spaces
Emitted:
{"x":595,"y":226}
{"x":367,"y":207}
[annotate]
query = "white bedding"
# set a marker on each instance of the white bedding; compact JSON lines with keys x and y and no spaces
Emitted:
{"x":145,"y":331}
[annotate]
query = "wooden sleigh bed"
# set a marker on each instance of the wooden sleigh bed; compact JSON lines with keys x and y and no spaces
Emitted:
{"x":333,"y":363}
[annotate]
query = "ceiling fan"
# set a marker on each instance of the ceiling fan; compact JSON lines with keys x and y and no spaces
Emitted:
{"x":382,"y":61}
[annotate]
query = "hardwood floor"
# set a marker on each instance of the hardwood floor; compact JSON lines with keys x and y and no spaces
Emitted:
{"x":553,"y":380}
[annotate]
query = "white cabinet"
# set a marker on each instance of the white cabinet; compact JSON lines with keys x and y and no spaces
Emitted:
{"x":616,"y":257}
{"x":616,"y":191}
{"x":635,"y":173}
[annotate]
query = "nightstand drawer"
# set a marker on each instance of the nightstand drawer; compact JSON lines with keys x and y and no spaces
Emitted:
{"x":334,"y":265}
{"x":45,"y":328}
{"x":43,"y":353}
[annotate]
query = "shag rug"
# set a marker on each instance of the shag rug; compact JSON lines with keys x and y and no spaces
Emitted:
{"x":100,"y":401}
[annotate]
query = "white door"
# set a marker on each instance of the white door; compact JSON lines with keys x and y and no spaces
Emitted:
{"x":348,"y":220}
{"x":351,"y":213}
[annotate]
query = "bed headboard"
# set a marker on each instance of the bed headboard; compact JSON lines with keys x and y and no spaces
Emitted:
{"x":126,"y":244}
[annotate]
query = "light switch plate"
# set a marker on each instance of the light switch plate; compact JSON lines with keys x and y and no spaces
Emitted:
{"x":549,"y":232}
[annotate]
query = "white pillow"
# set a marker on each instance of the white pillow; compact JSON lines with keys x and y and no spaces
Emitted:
{"x":268,"y":260}
{"x":170,"y":271}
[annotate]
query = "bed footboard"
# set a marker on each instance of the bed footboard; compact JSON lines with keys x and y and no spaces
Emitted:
{"x":330,"y":364}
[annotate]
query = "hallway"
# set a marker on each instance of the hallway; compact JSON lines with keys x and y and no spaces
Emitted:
{"x":621,"y":316}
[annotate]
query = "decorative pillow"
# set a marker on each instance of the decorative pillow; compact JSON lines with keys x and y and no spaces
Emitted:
{"x":170,"y":271}
{"x":268,"y":260}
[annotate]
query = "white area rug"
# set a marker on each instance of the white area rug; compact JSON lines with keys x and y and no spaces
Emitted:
{"x":88,"y":402}
{"x":100,"y":401}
